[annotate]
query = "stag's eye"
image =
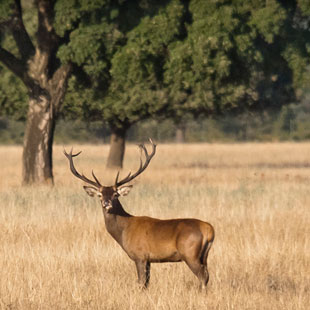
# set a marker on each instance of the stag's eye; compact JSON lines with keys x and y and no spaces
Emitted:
{"x":115,"y":195}
{"x":99,"y":195}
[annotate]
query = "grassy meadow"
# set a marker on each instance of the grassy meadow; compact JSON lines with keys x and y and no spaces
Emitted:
{"x":56,"y":253}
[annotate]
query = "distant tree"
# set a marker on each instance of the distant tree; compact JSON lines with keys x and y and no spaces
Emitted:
{"x":123,"y":59}
{"x":136,"y":90}
{"x":286,"y":123}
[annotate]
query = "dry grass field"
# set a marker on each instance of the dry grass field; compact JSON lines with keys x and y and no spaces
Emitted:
{"x":56,"y":253}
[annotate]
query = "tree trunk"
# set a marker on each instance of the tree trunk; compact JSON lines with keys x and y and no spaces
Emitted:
{"x":180,"y":133}
{"x":38,"y":143}
{"x":117,"y":148}
{"x":46,"y":96}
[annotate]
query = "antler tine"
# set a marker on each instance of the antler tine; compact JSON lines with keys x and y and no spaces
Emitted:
{"x":76,"y":173}
{"x":70,"y":154}
{"x":145,"y":150}
{"x":77,"y":154}
{"x":142,"y":166}
{"x":142,"y":146}
{"x":116,"y":179}
{"x":97,"y":181}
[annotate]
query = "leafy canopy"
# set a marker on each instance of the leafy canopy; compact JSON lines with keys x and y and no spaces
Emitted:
{"x":144,"y":58}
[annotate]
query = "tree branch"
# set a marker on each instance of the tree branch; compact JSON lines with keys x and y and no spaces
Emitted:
{"x":47,"y":38}
{"x":20,"y":34}
{"x":59,"y":84}
{"x":17,"y":67}
{"x":12,"y":63}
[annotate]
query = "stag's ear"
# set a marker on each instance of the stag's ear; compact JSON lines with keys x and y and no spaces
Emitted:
{"x":91,"y":191}
{"x":124,"y":190}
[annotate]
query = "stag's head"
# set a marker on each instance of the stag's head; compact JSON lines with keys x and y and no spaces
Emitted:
{"x":107,"y":194}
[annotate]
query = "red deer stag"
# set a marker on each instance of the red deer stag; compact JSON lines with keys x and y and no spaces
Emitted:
{"x":149,"y":240}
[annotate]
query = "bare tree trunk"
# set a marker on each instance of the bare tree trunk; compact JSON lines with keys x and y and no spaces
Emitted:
{"x":117,"y":148}
{"x":46,"y":96}
{"x":38,"y":143}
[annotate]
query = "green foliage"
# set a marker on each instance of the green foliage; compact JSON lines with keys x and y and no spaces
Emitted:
{"x":12,"y":96}
{"x":268,"y":20}
{"x":11,"y":132}
{"x":142,"y":59}
{"x":70,"y":12}
{"x":234,"y":57}
{"x":122,"y":58}
{"x":13,"y":93}
{"x":6,"y":7}
{"x":136,"y":90}
{"x":76,"y":131}
{"x":304,"y":7}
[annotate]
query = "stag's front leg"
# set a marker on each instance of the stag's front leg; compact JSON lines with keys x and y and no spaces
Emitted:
{"x":143,"y":270}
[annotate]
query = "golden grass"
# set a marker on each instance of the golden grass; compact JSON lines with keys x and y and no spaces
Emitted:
{"x":56,"y":253}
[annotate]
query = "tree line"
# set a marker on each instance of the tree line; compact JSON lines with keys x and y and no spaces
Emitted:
{"x":291,"y":123}
{"x":122,"y":62}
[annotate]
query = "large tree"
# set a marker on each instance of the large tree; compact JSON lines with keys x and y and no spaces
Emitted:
{"x":192,"y":57}
{"x":123,"y":53}
{"x":136,"y":89}
{"x":36,"y":64}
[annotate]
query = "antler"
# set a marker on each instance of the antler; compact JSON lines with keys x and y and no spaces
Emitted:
{"x":142,"y":166}
{"x":80,"y":176}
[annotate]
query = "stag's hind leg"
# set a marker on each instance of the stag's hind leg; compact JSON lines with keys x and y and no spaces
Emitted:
{"x":143,"y":270}
{"x":198,"y":265}
{"x":200,"y":270}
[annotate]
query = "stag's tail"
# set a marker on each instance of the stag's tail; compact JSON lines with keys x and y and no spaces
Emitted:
{"x":207,"y":245}
{"x":204,"y":252}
